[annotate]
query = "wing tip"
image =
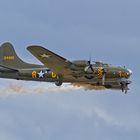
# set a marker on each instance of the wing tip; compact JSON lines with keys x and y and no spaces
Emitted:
{"x":34,"y":46}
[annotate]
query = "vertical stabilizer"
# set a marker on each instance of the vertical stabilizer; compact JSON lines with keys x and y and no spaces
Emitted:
{"x":9,"y":58}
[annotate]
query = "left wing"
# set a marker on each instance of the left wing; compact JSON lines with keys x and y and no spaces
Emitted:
{"x":51,"y":60}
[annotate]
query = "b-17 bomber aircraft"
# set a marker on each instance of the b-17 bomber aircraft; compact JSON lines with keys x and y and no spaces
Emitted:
{"x":60,"y":70}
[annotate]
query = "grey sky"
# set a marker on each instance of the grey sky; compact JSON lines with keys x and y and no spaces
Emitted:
{"x":76,"y":29}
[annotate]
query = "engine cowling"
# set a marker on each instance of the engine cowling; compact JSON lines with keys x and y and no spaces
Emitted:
{"x":80,"y":63}
{"x":88,"y":69}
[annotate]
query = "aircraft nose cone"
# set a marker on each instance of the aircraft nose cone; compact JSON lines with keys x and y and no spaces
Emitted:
{"x":130,"y":72}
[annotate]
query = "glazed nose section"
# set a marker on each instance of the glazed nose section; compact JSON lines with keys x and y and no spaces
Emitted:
{"x":129,"y":72}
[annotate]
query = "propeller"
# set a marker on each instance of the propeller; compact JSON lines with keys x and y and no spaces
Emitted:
{"x":124,"y":86}
{"x":90,"y":65}
{"x":104,"y":76}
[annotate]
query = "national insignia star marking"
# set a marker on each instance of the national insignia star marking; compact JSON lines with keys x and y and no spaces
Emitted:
{"x":41,"y":74}
{"x":45,"y":56}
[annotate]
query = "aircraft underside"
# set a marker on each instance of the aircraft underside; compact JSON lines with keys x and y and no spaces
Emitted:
{"x":94,"y":83}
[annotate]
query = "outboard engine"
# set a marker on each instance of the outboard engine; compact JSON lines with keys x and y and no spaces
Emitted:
{"x":89,"y":69}
{"x":80,"y":63}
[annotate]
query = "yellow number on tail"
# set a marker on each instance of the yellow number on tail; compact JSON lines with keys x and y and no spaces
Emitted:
{"x":8,"y":57}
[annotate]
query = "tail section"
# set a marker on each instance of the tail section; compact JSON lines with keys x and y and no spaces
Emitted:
{"x":9,"y":58}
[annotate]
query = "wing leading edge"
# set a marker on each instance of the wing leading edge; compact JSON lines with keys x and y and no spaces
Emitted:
{"x":51,"y":60}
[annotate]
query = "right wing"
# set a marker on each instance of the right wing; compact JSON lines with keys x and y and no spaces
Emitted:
{"x":51,"y":60}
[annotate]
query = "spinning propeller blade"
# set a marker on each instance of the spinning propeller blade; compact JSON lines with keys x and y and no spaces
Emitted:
{"x":104,"y":76}
{"x":90,"y":65}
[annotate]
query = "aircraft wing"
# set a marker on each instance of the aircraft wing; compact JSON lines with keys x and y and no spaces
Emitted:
{"x":51,"y":60}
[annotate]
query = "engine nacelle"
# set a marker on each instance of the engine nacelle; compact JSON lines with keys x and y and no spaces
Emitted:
{"x":80,"y":63}
{"x":88,"y":70}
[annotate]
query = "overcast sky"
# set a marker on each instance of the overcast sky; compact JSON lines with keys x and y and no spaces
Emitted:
{"x":107,"y":30}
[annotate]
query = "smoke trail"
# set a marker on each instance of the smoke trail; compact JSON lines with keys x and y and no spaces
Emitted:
{"x":22,"y":87}
{"x":88,"y":86}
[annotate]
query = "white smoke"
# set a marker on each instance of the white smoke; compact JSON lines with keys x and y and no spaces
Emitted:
{"x":88,"y":86}
{"x":13,"y":87}
{"x":23,"y":87}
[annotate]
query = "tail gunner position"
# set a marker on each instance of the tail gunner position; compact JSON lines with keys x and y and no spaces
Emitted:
{"x":60,"y":70}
